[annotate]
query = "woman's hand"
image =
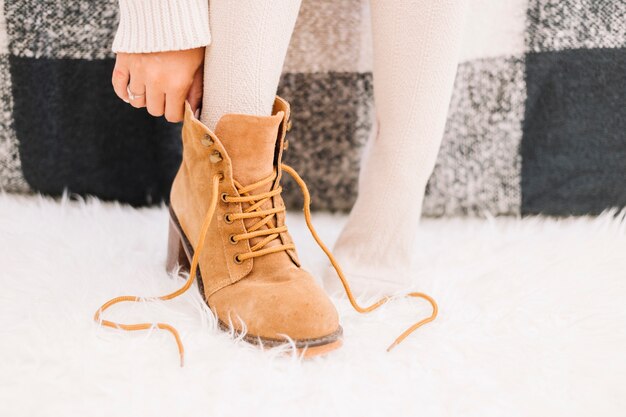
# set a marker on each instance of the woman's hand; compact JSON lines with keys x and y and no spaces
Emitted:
{"x":160,"y":81}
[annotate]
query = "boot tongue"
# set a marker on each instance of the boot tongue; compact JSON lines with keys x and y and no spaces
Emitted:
{"x":250,"y":142}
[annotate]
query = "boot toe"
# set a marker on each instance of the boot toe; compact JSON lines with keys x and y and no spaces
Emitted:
{"x":293,"y":308}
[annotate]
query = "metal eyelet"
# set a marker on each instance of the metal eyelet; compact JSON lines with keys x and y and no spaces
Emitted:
{"x":215,"y":157}
{"x":237,"y":260}
{"x":228,"y":219}
{"x":223,"y":197}
{"x":232,"y":239}
{"x":207,"y":140}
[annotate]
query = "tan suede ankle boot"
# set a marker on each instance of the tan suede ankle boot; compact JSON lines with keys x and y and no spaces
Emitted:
{"x":249,"y":271}
{"x":227,"y":227}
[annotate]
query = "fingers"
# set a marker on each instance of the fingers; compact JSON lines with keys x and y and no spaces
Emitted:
{"x":159,"y":92}
{"x":175,"y":100}
{"x":174,"y":107}
{"x":137,"y":87}
{"x":120,"y":79}
{"x":155,"y":102}
{"x":160,"y":81}
{"x":194,"y":96}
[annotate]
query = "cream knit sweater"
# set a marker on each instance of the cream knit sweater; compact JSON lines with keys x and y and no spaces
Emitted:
{"x":162,"y":25}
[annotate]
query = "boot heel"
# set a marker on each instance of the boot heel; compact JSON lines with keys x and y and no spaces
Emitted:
{"x":176,"y":255}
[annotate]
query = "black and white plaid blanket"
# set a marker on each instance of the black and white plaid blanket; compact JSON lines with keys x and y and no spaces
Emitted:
{"x":537,"y":122}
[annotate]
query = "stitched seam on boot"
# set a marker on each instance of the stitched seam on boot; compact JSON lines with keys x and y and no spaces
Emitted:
{"x":218,"y":286}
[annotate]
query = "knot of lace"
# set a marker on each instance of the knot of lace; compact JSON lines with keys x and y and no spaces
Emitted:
{"x":263,"y":227}
{"x":270,"y":232}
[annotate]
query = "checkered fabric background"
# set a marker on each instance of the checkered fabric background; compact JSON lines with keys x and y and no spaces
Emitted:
{"x":537,"y":122}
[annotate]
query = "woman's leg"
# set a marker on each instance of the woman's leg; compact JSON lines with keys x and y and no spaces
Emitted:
{"x":245,"y":59}
{"x":416,"y":45}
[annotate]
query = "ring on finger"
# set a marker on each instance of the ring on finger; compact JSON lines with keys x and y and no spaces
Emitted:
{"x":133,"y":96}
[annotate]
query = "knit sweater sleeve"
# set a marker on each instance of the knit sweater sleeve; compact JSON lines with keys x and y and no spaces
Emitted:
{"x":162,"y":25}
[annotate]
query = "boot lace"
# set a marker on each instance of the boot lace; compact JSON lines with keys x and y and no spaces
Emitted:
{"x":271,"y":232}
{"x":265,"y":226}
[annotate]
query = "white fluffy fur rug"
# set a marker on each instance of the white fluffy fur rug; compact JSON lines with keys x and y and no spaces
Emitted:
{"x":532,"y":323}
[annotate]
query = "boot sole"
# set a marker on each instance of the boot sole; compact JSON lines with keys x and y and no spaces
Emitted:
{"x":179,"y":255}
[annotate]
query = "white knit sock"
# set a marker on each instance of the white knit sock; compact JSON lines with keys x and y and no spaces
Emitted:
{"x":244,"y":61}
{"x":416,"y":45}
